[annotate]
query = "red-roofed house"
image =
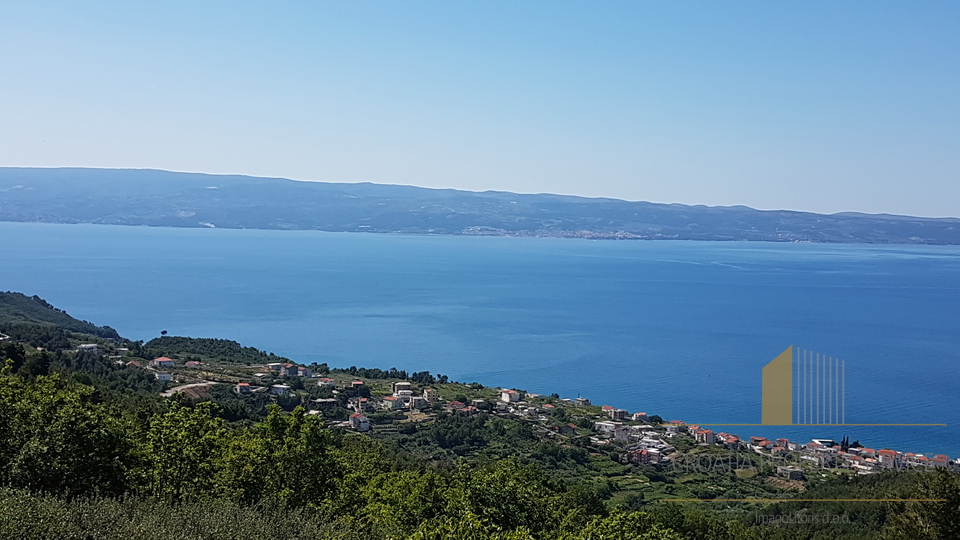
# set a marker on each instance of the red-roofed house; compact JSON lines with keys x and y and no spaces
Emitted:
{"x":391,"y":403}
{"x":162,"y":362}
{"x":705,"y":436}
{"x":731,"y":441}
{"x":641,"y":457}
{"x":889,"y":458}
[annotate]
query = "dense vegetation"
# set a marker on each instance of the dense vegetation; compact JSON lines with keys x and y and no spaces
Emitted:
{"x":19,"y":308}
{"x":89,"y":450}
{"x":222,"y":350}
{"x":28,"y":318}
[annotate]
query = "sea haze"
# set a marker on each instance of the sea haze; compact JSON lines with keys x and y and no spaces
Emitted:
{"x":679,"y":329}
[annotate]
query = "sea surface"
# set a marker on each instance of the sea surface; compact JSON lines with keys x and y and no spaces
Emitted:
{"x":679,"y":329}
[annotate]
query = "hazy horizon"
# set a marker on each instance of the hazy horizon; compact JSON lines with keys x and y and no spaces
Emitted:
{"x":818,"y":108}
{"x":853,"y":211}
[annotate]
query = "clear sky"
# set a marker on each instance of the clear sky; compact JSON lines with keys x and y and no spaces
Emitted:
{"x":823,"y":106}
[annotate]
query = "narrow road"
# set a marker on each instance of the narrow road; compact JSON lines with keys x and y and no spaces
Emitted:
{"x":182,"y":387}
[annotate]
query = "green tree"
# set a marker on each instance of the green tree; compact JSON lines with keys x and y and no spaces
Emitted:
{"x":633,"y":526}
{"x":934,"y":515}
{"x":180,"y":452}
{"x":468,"y":526}
{"x":53,"y":438}
{"x":398,"y":502}
{"x":283,"y":460}
{"x":509,"y":495}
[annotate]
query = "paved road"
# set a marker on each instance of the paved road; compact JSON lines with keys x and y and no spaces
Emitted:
{"x":172,"y":391}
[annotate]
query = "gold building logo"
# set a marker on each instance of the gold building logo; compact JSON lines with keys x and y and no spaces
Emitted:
{"x":802,"y":387}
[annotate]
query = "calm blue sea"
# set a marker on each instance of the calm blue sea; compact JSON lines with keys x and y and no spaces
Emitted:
{"x":679,"y":329}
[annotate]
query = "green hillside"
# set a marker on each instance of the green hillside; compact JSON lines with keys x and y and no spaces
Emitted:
{"x":222,"y":350}
{"x":18,"y":310}
{"x":91,"y":448}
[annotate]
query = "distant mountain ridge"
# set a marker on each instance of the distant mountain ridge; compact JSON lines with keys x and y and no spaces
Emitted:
{"x":172,"y":199}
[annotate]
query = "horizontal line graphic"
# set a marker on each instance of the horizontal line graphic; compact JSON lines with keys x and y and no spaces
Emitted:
{"x":802,"y":500}
{"x":812,"y":425}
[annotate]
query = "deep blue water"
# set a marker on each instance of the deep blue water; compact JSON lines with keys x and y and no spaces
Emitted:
{"x":679,"y":329}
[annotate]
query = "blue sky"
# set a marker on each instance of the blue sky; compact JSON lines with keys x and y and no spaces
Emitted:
{"x":821,"y":106}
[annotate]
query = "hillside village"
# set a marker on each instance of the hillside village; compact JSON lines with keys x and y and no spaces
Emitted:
{"x":379,"y":406}
{"x":218,"y":408}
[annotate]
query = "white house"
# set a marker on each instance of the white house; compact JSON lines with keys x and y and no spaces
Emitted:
{"x":161,"y":376}
{"x":280,"y":389}
{"x":359,"y":422}
{"x":509,"y":396}
{"x":607,"y":427}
